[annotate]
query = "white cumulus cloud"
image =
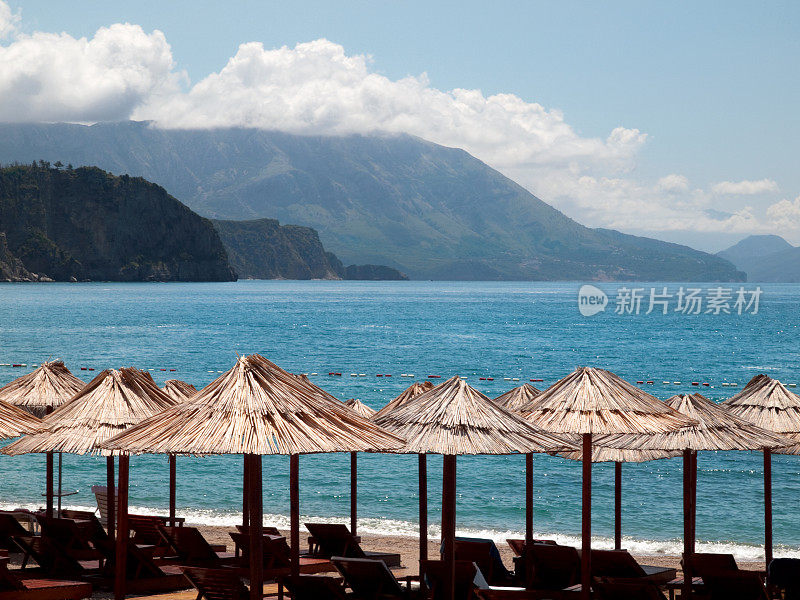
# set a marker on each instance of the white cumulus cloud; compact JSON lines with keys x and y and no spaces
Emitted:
{"x":745,"y":187}
{"x":123,"y":72}
{"x":785,"y":214}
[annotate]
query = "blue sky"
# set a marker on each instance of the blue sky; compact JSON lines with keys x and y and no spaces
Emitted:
{"x":714,"y":86}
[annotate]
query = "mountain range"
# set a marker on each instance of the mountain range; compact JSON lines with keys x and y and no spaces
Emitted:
{"x":765,"y":259}
{"x":430,"y":211}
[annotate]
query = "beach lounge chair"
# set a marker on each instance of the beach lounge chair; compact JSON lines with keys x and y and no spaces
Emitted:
{"x":217,"y":584}
{"x":243,"y":529}
{"x":551,"y":567}
{"x":95,"y":527}
{"x":484,"y":553}
{"x":277,"y":557}
{"x":334,"y":539}
{"x":143,"y":574}
{"x":52,"y":560}
{"x":191,"y":548}
{"x":371,"y":579}
{"x":783,"y":575}
{"x":10,"y":527}
{"x":623,"y":588}
{"x":518,"y":546}
{"x":13,"y":586}
{"x":101,"y":497}
{"x":313,"y":587}
{"x":620,"y":564}
{"x":468,"y":577}
{"x":71,"y":537}
{"x":735,"y":585}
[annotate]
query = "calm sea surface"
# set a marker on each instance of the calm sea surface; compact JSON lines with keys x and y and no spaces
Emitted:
{"x":499,"y":330}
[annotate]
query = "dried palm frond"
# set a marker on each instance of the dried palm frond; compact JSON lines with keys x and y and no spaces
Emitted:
{"x":513,"y":400}
{"x":42,"y":391}
{"x":408,"y":394}
{"x":767,"y":403}
{"x":178,"y":390}
{"x":360,"y":408}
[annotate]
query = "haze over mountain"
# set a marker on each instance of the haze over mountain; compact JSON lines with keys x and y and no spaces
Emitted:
{"x":766,"y":259}
{"x":430,"y":211}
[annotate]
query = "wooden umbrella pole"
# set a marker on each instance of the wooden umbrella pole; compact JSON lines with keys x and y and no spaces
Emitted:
{"x":687,"y":518}
{"x":48,"y":492}
{"x":294,"y":513}
{"x":354,"y":492}
{"x":767,"y":506}
{"x":693,"y":499}
{"x":618,"y":506}
{"x":172,"y":490}
{"x":449,"y":524}
{"x":245,"y":491}
{"x":111,"y":499}
{"x":256,"y":528}
{"x":586,"y":519}
{"x":529,"y":498}
{"x":121,"y":570}
{"x":423,"y":513}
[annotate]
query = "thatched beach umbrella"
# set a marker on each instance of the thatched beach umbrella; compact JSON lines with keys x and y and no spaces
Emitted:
{"x":716,"y":429}
{"x":255,"y":409}
{"x":406,"y":396}
{"x":40,"y":392}
{"x":108,"y":405}
{"x":452,"y":419}
{"x":180,"y":391}
{"x":591,"y":402}
{"x":360,"y":408}
{"x":15,"y":422}
{"x":767,"y":403}
{"x":514,"y":400}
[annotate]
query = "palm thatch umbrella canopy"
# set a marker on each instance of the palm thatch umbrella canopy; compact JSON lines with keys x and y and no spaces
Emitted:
{"x":589,"y":402}
{"x":108,"y":405}
{"x":359,"y":407}
{"x":766,"y":402}
{"x":42,"y":391}
{"x":255,"y":409}
{"x":406,"y":396}
{"x":179,"y":390}
{"x":15,"y":421}
{"x":517,"y":398}
{"x":454,"y":418}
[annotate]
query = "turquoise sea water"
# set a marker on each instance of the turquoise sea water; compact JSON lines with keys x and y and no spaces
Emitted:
{"x":475,"y":329}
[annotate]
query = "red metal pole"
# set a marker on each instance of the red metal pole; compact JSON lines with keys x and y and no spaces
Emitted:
{"x":449,"y":524}
{"x":294,"y":513}
{"x":586,"y":519}
{"x":423,"y":507}
{"x":111,"y":499}
{"x":686,"y":592}
{"x":618,"y":506}
{"x":768,"y":506}
{"x":172,"y":490}
{"x":528,"y":498}
{"x":48,"y":492}
{"x":246,"y":491}
{"x":123,"y":534}
{"x":353,"y":492}
{"x":256,"y":528}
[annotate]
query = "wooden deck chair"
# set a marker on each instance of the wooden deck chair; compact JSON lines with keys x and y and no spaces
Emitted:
{"x":101,"y":497}
{"x":143,"y":574}
{"x":783,"y":574}
{"x":193,"y":549}
{"x":311,"y":587}
{"x":615,"y":564}
{"x":52,"y":560}
{"x":93,"y":523}
{"x":14,"y":587}
{"x":371,"y":579}
{"x":10,"y":527}
{"x":277,"y":557}
{"x":243,"y":529}
{"x":468,"y":578}
{"x":735,"y":585}
{"x":335,"y":539}
{"x":518,"y":546}
{"x":484,"y":553}
{"x":551,"y":567}
{"x":624,"y":588}
{"x":73,"y":538}
{"x":216,"y":584}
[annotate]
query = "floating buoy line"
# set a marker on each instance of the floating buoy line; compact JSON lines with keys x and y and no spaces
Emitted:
{"x":643,"y":382}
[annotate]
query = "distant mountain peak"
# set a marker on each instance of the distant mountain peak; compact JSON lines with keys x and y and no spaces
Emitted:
{"x":765,"y":259}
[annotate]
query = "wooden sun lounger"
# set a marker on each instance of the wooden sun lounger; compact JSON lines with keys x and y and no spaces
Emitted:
{"x":334,"y":539}
{"x":468,"y":578}
{"x":484,"y":553}
{"x":53,"y":560}
{"x":217,"y":584}
{"x":11,"y":527}
{"x":277,"y":557}
{"x":550,"y":567}
{"x":518,"y":546}
{"x":14,"y":587}
{"x":735,"y":585}
{"x":143,"y":573}
{"x":309,"y":587}
{"x":192,"y":549}
{"x":371,"y":578}
{"x":637,"y":588}
{"x":620,"y":564}
{"x":71,"y":537}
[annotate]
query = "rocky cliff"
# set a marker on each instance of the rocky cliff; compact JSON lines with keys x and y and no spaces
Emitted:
{"x":86,"y":224}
